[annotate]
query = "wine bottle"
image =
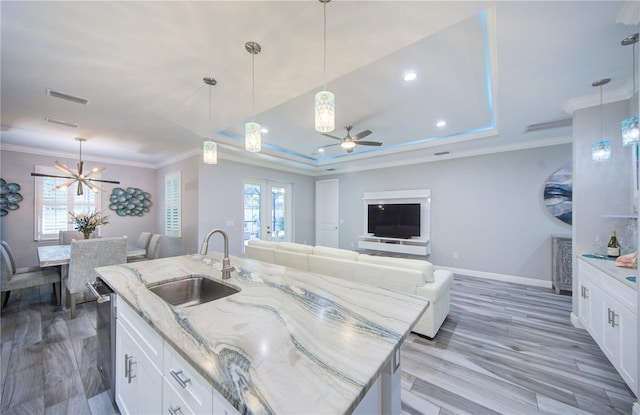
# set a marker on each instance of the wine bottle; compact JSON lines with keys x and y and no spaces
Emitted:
{"x":613,"y":249}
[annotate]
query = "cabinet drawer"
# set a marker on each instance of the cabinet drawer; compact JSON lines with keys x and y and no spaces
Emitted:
{"x":147,"y":339}
{"x":194,"y":389}
{"x":172,"y":402}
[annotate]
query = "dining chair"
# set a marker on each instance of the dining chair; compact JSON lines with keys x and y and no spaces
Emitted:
{"x":153,"y":252}
{"x":86,"y":256}
{"x":13,"y":280}
{"x":143,"y":243}
{"x":65,"y":237}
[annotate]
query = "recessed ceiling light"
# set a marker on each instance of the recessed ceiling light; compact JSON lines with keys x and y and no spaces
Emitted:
{"x":61,"y":122}
{"x":321,"y":150}
{"x":410,"y":76}
{"x":441,"y":123}
{"x":264,"y":130}
{"x":71,"y":98}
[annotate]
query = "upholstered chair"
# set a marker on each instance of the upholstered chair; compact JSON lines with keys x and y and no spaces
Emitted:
{"x":65,"y":237}
{"x":143,"y":243}
{"x":153,"y":252}
{"x":13,"y":280}
{"x":86,"y":256}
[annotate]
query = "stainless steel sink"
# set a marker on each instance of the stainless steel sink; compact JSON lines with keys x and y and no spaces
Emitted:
{"x":191,"y":290}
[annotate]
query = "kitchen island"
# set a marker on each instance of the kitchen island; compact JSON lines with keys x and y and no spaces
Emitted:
{"x":288,"y":342}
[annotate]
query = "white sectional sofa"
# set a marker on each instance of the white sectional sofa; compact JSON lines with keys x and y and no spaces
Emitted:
{"x":410,"y":276}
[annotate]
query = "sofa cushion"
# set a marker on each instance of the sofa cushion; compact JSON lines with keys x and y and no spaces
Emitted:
{"x":294,"y":247}
{"x":291,"y":259}
{"x":415,"y":264}
{"x":259,"y":253}
{"x":335,"y":253}
{"x":261,"y":243}
{"x":333,"y":267}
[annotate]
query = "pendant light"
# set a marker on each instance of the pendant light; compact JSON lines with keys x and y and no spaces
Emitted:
{"x":630,"y":132}
{"x":601,"y":150}
{"x":325,"y":109}
{"x":79,"y":177}
{"x":252,"y":136}
{"x":209,"y":147}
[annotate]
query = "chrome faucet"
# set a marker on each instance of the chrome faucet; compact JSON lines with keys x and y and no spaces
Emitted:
{"x":227,"y":269}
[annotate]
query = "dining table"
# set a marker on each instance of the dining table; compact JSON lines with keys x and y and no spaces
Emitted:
{"x":60,"y":255}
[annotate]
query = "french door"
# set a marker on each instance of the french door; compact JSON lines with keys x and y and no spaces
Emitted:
{"x":267,"y":210}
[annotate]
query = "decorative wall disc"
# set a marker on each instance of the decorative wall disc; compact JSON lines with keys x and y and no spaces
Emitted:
{"x":9,"y":197}
{"x":130,"y":201}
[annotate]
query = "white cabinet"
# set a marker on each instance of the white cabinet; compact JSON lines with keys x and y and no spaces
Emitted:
{"x":138,"y":379}
{"x":183,"y":379}
{"x":152,"y":377}
{"x":606,"y":308}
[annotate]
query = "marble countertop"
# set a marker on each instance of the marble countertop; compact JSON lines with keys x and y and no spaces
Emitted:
{"x":609,"y":266}
{"x":288,"y":342}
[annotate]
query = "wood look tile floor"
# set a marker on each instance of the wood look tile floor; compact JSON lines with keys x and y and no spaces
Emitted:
{"x":504,"y":349}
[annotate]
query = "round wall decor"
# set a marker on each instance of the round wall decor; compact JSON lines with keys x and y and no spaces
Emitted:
{"x":9,"y":197}
{"x":130,"y":201}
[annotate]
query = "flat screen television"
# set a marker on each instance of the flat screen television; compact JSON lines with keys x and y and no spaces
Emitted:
{"x":396,"y":220}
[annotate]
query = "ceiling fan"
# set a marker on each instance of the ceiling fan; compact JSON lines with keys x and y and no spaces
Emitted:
{"x":348,"y":142}
{"x":77,"y":177}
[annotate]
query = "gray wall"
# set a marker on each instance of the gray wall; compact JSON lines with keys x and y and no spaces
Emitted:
{"x":17,"y":228}
{"x":487,"y":212}
{"x":221,"y":201}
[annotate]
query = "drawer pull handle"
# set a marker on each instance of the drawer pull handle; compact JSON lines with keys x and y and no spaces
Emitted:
{"x":180,"y":378}
{"x":175,"y":411}
{"x":128,"y":361}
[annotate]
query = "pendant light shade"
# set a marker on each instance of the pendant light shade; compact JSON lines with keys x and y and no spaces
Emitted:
{"x":601,"y":150}
{"x":630,"y":132}
{"x":252,"y":130}
{"x":325,"y":112}
{"x":209,"y":147}
{"x":325,"y":105}
{"x":210,"y":152}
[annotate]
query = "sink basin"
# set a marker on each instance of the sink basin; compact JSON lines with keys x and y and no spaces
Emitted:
{"x":191,"y":290}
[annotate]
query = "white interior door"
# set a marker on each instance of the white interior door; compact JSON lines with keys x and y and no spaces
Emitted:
{"x":267,"y":210}
{"x":327,"y":213}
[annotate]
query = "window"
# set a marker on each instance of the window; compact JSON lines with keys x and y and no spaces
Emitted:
{"x":52,"y":208}
{"x":173,"y":218}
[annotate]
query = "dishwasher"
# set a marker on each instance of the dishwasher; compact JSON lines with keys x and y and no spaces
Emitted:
{"x":106,"y":333}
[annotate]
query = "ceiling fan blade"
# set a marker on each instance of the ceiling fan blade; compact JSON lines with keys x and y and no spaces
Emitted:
{"x":331,"y":136}
{"x":64,"y":186}
{"x":102,"y":181}
{"x":64,"y":168}
{"x":51,"y":175}
{"x":361,"y":134}
{"x":369,"y":143}
{"x":328,"y":145}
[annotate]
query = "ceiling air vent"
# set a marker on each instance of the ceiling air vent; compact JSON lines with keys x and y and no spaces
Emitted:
{"x":61,"y":122}
{"x":563,"y":122}
{"x":60,"y":95}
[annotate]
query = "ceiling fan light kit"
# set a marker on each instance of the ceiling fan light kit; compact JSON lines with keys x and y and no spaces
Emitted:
{"x":348,"y":142}
{"x":630,"y":131}
{"x":252,"y":136}
{"x":209,"y":147}
{"x":325,"y":105}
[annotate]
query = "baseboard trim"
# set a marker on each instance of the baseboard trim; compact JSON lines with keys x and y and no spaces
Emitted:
{"x":576,"y":322}
{"x":499,"y":277}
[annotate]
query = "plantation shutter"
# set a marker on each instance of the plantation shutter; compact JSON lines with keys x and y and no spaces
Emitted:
{"x":173,"y":217}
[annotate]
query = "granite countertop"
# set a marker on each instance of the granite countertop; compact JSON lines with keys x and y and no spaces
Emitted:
{"x":288,"y":342}
{"x":609,"y":266}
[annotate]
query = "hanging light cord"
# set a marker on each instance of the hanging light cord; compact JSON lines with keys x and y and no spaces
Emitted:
{"x":253,"y":86}
{"x":601,"y":117}
{"x":209,"y":111}
{"x":325,"y":43}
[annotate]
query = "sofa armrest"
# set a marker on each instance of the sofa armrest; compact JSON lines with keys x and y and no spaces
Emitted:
{"x":438,"y":288}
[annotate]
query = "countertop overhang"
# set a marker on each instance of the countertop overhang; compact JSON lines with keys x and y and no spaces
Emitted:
{"x":288,"y":342}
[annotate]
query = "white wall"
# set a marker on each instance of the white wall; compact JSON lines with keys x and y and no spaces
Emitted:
{"x":17,"y":228}
{"x":220,"y":190}
{"x":487,"y":212}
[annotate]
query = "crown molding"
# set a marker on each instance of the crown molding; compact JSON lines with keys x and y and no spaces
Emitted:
{"x":49,"y":153}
